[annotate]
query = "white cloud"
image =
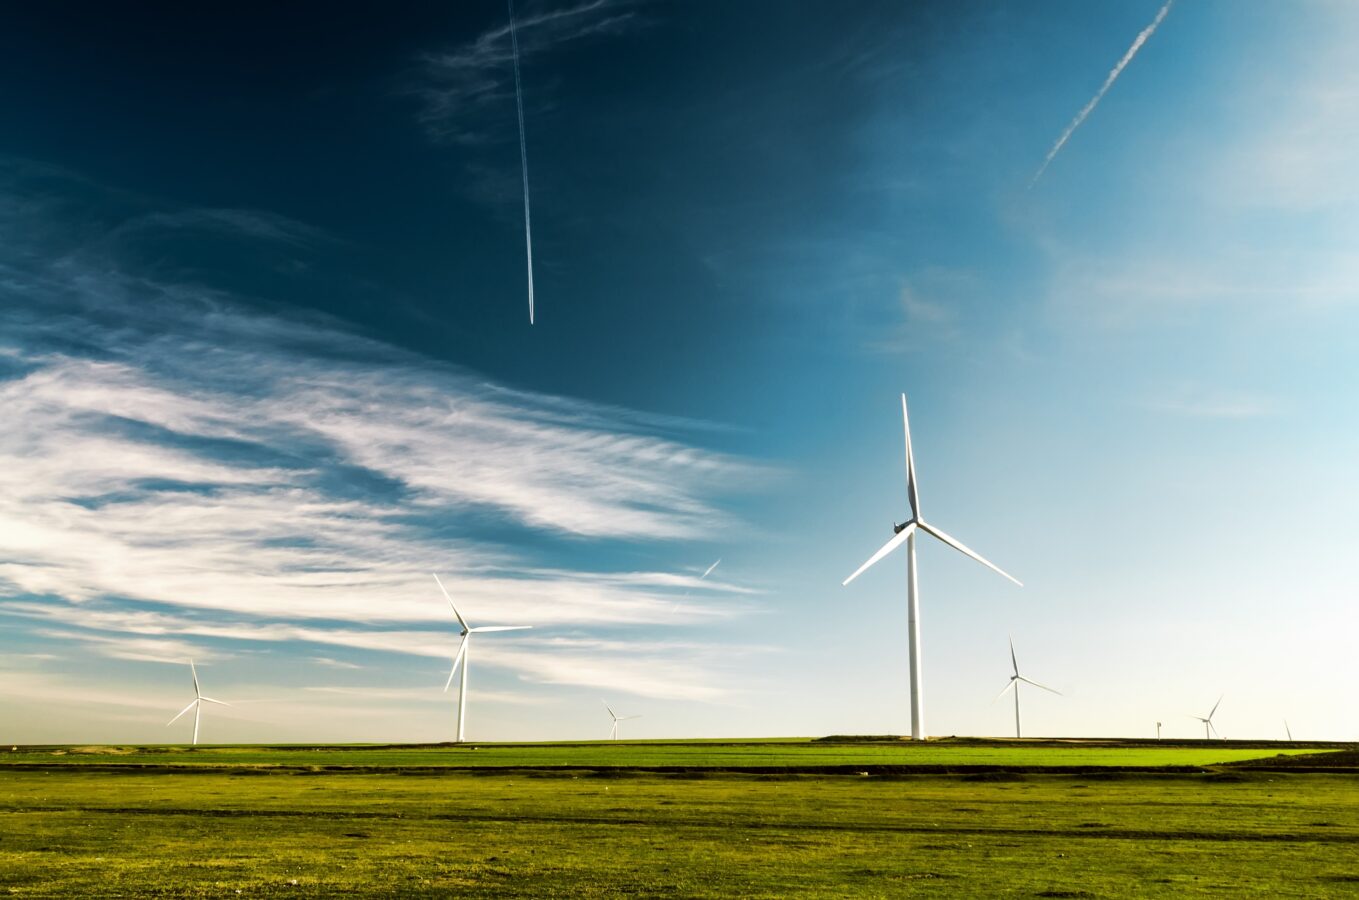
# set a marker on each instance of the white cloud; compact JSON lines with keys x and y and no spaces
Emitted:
{"x":177,"y":474}
{"x":1201,"y":402}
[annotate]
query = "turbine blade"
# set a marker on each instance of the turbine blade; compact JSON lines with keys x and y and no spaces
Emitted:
{"x":499,"y":628}
{"x":1014,"y":662}
{"x":210,"y":700}
{"x":450,"y":603}
{"x":894,"y":543}
{"x":1004,"y":691}
{"x":462,"y":647}
{"x":1213,"y":728}
{"x":912,"y":493}
{"x":1037,"y":685}
{"x":631,"y":717}
{"x":182,"y":712}
{"x":1215,"y":706}
{"x":956,"y":545}
{"x":609,"y":708}
{"x":194,"y":670}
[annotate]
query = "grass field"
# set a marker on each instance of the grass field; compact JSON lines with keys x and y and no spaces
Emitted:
{"x":73,"y":830}
{"x":793,"y":753}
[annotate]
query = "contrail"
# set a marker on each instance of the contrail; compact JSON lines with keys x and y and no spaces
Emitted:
{"x":674,"y":606}
{"x":523,"y":160}
{"x":1104,"y":89}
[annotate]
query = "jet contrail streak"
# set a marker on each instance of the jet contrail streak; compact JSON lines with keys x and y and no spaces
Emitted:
{"x":523,"y":159}
{"x":710,"y":570}
{"x":1104,"y":89}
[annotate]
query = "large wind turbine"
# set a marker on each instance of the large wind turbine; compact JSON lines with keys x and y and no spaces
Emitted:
{"x":1209,"y":729}
{"x":462,"y":656}
{"x":613,"y":735}
{"x":905,"y":534}
{"x":1014,"y":683}
{"x":196,"y":705}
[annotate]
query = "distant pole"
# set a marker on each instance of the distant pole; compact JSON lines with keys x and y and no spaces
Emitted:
{"x":1158,"y":731}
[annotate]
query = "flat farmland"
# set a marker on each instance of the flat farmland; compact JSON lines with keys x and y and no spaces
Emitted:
{"x":504,"y":831}
{"x":799,"y":754}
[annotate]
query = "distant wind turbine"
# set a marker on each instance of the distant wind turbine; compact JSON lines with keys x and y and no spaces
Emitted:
{"x":1014,"y":684}
{"x":1158,"y":731}
{"x":1209,"y":729}
{"x":613,"y":735}
{"x":905,"y":534}
{"x":463,"y":655}
{"x":196,"y":705}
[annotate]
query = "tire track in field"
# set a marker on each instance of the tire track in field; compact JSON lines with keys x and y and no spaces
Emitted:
{"x":1096,"y":831}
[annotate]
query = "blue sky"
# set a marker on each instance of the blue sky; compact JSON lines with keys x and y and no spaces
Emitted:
{"x":265,"y":362}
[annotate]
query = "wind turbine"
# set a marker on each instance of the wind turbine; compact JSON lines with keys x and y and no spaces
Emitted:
{"x":905,"y":534}
{"x":1014,"y":683}
{"x":613,"y":735}
{"x":196,"y":705}
{"x":462,"y":657}
{"x":1158,"y":731}
{"x":1209,"y":729}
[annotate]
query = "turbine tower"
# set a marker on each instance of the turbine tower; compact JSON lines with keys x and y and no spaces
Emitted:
{"x":463,"y":655}
{"x":1014,"y":683}
{"x":905,"y":534}
{"x":1209,"y":729}
{"x":613,"y":735}
{"x":196,"y":705}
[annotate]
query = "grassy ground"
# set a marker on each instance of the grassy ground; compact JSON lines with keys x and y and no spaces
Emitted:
{"x":88,"y":834}
{"x":74,"y":831}
{"x":802,"y":754}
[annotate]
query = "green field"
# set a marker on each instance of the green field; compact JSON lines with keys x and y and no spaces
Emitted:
{"x":791,"y":753}
{"x":267,"y":825}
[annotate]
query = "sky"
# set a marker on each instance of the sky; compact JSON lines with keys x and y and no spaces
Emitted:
{"x":266,"y":364}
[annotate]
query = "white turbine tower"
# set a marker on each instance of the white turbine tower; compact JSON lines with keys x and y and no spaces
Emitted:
{"x":196,"y":705}
{"x":1014,"y":683}
{"x":1209,"y":729}
{"x":463,"y":655}
{"x":905,"y":534}
{"x":613,"y":735}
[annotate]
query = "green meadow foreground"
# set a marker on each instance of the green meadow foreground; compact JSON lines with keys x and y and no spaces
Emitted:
{"x":251,"y":821}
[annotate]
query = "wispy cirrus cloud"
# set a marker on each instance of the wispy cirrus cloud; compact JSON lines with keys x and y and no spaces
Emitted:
{"x":459,"y":84}
{"x":168,"y":449}
{"x":1202,"y":402}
